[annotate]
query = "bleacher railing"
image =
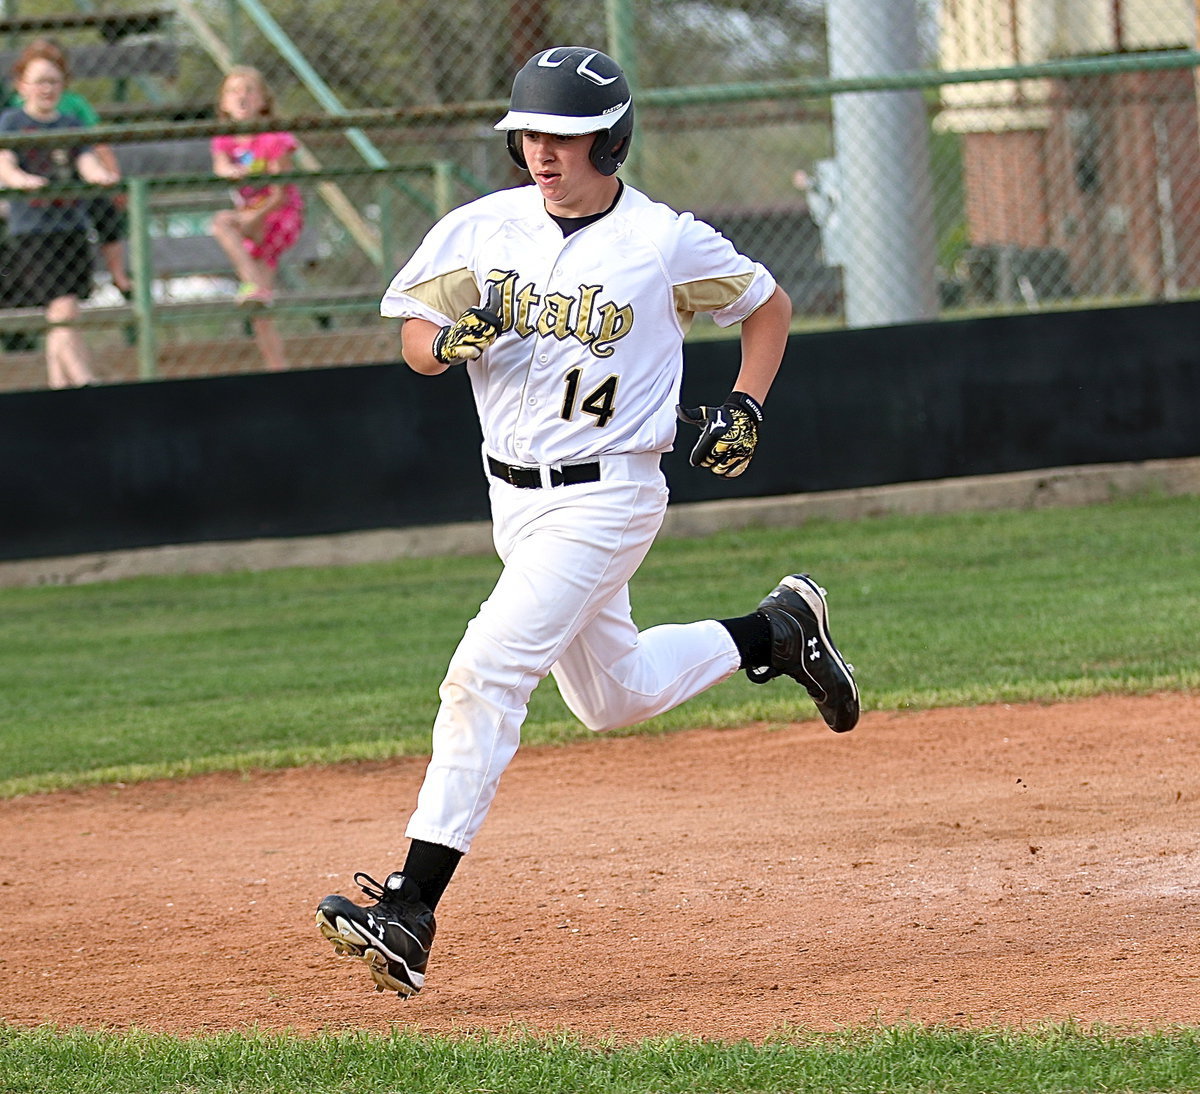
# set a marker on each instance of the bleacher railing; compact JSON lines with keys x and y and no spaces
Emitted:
{"x":361,"y":221}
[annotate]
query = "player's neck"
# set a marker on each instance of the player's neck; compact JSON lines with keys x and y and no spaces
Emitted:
{"x":596,"y":199}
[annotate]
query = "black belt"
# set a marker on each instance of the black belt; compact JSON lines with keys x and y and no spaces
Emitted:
{"x":530,"y":478}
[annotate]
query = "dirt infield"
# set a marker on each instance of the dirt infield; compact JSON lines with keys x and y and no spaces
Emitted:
{"x":1001,"y":865}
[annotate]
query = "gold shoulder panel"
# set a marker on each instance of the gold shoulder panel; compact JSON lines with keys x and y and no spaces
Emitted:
{"x":711,"y":294}
{"x":450,"y":293}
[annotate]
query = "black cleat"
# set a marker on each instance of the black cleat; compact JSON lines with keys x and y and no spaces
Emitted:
{"x":802,"y":649}
{"x":392,"y":936}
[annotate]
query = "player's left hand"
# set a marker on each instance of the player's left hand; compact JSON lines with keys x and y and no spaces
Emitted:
{"x":471,"y":333}
{"x":728,"y":434}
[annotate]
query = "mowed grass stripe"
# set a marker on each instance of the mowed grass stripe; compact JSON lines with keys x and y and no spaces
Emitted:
{"x":179,"y":675}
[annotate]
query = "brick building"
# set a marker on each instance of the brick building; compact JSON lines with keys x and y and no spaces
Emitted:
{"x":1084,"y":186}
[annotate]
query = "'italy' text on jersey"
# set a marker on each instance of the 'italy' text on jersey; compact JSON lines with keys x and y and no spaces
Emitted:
{"x":556,"y":315}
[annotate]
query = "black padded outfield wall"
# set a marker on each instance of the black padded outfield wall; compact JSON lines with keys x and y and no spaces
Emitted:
{"x":974,"y":397}
{"x":350,"y":449}
{"x":239,"y":457}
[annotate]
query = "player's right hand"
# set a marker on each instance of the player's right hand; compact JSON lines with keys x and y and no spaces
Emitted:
{"x":471,"y":333}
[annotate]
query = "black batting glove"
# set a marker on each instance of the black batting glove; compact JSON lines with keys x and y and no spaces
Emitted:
{"x":471,"y":333}
{"x":728,"y":434}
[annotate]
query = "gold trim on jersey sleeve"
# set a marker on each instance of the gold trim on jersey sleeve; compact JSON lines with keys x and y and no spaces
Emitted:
{"x":450,"y":293}
{"x":710,"y":294}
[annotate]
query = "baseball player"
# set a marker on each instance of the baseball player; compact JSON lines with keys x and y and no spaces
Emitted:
{"x":567,"y":302}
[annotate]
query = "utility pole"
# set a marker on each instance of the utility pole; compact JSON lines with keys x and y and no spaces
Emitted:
{"x":886,"y":239}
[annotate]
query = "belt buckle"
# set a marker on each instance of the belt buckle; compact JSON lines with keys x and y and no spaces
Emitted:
{"x":523,"y":478}
{"x":505,"y":472}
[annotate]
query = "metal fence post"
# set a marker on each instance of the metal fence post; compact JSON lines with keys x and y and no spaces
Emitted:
{"x":443,"y":186}
{"x":141,"y":268}
{"x":621,"y":38}
{"x":885,"y":235}
{"x":387,"y":225}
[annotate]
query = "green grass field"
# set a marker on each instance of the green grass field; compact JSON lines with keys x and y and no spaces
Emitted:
{"x":895,"y":1060}
{"x":180,"y":675}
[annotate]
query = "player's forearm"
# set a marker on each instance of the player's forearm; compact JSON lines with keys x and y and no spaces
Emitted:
{"x":416,"y":343}
{"x":764,"y":339}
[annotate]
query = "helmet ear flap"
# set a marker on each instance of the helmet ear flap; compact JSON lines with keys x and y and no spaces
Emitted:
{"x":513,"y":140}
{"x":611,"y":146}
{"x":599,"y":155}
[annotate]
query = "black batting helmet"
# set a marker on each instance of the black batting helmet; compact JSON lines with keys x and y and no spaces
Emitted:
{"x":569,"y":91}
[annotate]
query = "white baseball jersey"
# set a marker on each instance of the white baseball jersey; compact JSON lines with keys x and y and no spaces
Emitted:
{"x":589,"y":360}
{"x":587,"y":369}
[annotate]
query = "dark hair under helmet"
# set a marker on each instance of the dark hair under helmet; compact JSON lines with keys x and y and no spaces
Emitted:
{"x":569,"y":91}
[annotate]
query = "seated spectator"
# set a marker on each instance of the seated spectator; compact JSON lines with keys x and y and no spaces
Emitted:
{"x":50,"y":262}
{"x":267,"y":217}
{"x":107,"y":214}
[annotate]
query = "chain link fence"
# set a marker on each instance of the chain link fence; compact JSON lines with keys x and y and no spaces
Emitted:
{"x":898,"y":162}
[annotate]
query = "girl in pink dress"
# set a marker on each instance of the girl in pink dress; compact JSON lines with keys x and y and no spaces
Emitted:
{"x":267,"y":217}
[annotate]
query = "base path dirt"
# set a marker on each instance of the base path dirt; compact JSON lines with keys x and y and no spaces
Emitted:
{"x":1005,"y":865}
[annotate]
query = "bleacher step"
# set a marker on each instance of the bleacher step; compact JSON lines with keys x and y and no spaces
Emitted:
{"x":111,"y":25}
{"x":116,"y":61}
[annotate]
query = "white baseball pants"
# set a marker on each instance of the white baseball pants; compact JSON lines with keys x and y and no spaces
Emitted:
{"x":561,"y":604}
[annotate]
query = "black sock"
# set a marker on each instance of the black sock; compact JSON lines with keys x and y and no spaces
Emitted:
{"x":752,"y":636}
{"x":430,"y":866}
